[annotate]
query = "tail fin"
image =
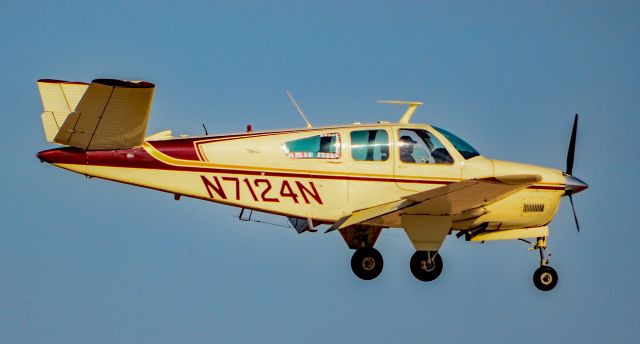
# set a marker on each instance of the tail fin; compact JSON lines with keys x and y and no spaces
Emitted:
{"x":59,"y":99}
{"x":106,"y":114}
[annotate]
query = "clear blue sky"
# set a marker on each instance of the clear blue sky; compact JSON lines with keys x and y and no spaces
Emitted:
{"x":88,"y":261}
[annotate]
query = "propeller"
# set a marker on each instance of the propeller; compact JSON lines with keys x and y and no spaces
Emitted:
{"x":573,"y":184}
{"x":572,"y":147}
{"x":575,"y":217}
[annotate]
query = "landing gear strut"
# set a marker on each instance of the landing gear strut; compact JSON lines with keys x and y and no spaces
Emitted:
{"x":367,"y":263}
{"x":545,"y":277}
{"x":426,"y":265}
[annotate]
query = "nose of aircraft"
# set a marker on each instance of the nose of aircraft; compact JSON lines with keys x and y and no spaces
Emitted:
{"x":574,"y":185}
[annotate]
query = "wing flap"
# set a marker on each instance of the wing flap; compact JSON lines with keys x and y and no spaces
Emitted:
{"x":369,"y":213}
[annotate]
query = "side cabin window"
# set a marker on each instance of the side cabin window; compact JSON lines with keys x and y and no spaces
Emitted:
{"x":325,"y":146}
{"x":421,"y":147}
{"x":370,"y":145}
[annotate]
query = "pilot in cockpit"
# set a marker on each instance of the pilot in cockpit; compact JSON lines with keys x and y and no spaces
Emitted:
{"x":406,"y":144}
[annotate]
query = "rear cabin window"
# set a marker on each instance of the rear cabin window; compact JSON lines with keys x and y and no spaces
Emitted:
{"x":325,"y":146}
{"x":370,"y":145}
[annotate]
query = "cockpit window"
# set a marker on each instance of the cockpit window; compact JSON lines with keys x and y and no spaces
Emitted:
{"x":421,"y":147}
{"x":464,"y":148}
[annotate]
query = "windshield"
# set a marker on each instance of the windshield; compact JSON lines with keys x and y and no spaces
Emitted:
{"x":464,"y":148}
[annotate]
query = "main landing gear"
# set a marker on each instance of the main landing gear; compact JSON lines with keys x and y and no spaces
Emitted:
{"x":367,"y":263}
{"x":545,"y":277}
{"x":426,"y":265}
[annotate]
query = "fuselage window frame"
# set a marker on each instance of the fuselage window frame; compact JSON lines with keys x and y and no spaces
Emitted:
{"x":433,"y":148}
{"x":328,"y":146}
{"x":375,"y":145}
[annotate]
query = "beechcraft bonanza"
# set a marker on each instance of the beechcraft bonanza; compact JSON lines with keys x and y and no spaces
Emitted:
{"x":359,"y":179}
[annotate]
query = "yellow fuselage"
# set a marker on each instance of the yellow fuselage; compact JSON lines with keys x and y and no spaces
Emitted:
{"x":255,"y":171}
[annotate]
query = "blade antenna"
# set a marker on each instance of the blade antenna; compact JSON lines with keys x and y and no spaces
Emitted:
{"x":295,"y":103}
{"x":411,"y":108}
{"x":572,"y":147}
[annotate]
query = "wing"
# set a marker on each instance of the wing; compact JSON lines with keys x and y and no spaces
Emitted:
{"x":451,"y":199}
{"x":112,"y":114}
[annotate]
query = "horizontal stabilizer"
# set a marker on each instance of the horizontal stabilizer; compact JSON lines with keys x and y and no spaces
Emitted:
{"x":161,"y":135}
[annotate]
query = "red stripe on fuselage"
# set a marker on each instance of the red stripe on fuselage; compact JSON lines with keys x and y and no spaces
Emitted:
{"x":139,"y":158}
{"x":546,"y":187}
{"x":178,"y":149}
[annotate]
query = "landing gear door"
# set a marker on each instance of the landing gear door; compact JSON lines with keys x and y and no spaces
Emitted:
{"x":422,"y":162}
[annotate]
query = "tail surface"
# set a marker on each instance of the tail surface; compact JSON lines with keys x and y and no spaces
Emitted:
{"x":59,"y":99}
{"x":106,"y":114}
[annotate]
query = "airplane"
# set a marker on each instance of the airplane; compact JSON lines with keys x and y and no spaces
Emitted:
{"x":358,"y":178}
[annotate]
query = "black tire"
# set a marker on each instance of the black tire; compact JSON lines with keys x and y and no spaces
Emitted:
{"x":367,"y":263}
{"x":426,"y":269}
{"x":545,"y":278}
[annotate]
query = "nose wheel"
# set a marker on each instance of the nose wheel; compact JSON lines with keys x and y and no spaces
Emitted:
{"x":545,"y":277}
{"x":367,"y":263}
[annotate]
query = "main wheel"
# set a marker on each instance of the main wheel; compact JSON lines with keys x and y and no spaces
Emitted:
{"x":426,"y":265}
{"x":545,"y":278}
{"x":367,"y":263}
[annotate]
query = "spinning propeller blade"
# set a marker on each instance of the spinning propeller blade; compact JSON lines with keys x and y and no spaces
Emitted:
{"x":572,"y":147}
{"x":575,"y":217}
{"x":573,"y":184}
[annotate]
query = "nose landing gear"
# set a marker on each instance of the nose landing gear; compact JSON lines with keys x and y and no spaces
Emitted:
{"x":545,"y":277}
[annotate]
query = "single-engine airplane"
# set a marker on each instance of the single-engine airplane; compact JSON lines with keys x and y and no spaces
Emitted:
{"x":358,"y":178}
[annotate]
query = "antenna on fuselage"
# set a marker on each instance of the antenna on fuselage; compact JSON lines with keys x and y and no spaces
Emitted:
{"x":412,"y":106}
{"x":293,"y":100}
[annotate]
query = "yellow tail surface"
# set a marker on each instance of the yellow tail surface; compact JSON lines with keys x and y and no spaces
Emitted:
{"x":59,"y":99}
{"x":106,"y":114}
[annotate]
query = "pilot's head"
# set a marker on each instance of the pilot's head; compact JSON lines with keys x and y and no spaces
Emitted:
{"x":406,"y":144}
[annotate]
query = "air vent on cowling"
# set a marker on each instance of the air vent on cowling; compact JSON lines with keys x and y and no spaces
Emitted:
{"x":533,"y":208}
